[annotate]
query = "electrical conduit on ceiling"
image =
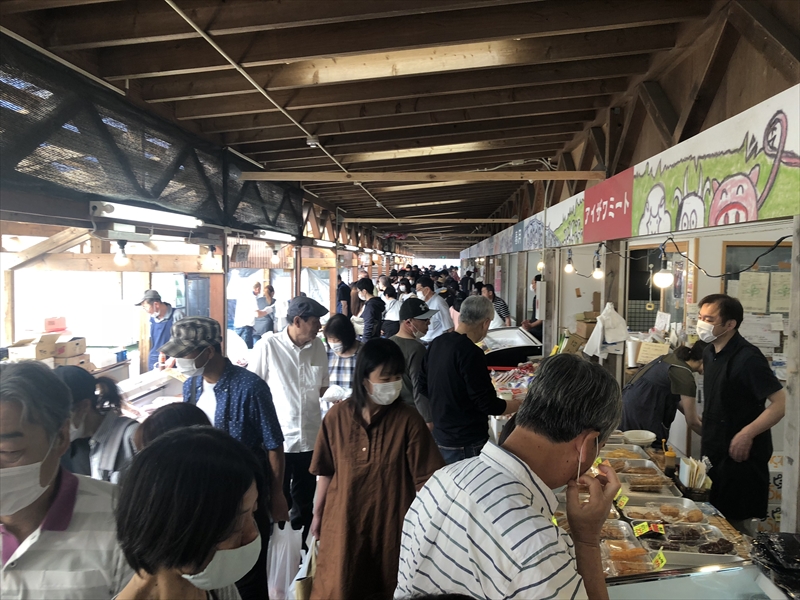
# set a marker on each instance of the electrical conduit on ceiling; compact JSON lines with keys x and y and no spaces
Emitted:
{"x":266,"y":95}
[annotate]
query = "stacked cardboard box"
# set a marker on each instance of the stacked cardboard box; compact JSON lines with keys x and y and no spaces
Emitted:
{"x":55,"y":349}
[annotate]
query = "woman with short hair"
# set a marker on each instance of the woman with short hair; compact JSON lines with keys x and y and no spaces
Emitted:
{"x":342,"y":348}
{"x":372,"y":455}
{"x":185,"y":517}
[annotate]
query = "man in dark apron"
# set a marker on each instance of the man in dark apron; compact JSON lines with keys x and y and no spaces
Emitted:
{"x":736,"y":421}
{"x":162,"y":316}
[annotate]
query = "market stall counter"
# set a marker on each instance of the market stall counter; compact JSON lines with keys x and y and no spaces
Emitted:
{"x":509,"y":346}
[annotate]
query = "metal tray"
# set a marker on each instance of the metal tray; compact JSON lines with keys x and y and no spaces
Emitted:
{"x":646,"y":504}
{"x":641,"y":462}
{"x":667,"y":491}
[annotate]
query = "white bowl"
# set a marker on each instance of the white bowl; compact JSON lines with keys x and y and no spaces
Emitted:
{"x":639,"y":437}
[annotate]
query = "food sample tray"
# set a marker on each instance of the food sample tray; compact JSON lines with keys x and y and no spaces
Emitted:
{"x":667,"y":491}
{"x":639,"y":509}
{"x":625,"y":451}
{"x":561,"y":511}
{"x":686,"y":538}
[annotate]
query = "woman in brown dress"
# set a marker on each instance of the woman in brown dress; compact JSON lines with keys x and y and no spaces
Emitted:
{"x":372,"y":455}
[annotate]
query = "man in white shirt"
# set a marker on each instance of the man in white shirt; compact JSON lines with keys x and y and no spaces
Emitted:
{"x":294,"y":363}
{"x":483,"y":526}
{"x":440,"y":322}
{"x":58,"y":537}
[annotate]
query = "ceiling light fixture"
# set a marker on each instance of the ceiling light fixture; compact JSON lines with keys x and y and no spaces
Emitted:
{"x":121,"y":258}
{"x":324,"y":244}
{"x":569,"y":267}
{"x":123,"y":212}
{"x":664,"y":278}
{"x":273,"y":236}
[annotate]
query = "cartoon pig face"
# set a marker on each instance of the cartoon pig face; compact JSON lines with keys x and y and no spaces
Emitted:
{"x":692,"y":213}
{"x":735,"y":199}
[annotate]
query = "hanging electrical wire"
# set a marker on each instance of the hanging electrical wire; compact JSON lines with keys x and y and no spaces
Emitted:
{"x":706,"y":273}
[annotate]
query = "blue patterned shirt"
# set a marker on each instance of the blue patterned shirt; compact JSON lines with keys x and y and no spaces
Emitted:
{"x":244,"y":407}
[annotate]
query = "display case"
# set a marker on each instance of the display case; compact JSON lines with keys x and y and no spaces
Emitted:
{"x":509,"y":346}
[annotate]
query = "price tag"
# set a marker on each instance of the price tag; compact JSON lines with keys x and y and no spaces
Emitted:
{"x":555,"y":522}
{"x":659,"y":561}
{"x":657,"y":527}
{"x":619,"y":491}
{"x":597,"y":461}
{"x":623,"y":500}
{"x":641,"y":528}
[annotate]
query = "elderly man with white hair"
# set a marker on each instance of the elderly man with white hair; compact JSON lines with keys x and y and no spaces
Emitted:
{"x":58,"y":537}
{"x":458,"y":384}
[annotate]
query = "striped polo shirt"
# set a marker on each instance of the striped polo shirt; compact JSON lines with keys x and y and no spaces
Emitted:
{"x":74,"y":553}
{"x":483,"y":527}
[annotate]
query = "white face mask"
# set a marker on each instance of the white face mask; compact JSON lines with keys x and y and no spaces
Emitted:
{"x":337,"y":347}
{"x":403,"y":288}
{"x":705,"y":331}
{"x":188,"y":367}
{"x":417,"y":333}
{"x":361,"y":296}
{"x":20,"y":486}
{"x":580,"y":457}
{"x":227,"y":567}
{"x":532,"y":288}
{"x":386,"y":393}
{"x":421,"y":295}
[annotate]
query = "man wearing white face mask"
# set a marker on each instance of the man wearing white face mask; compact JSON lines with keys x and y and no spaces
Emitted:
{"x":414,"y":319}
{"x":372,"y":455}
{"x":484,"y":526}
{"x":440,"y":322}
{"x":57,"y":532}
{"x":737,"y":382}
{"x":240,"y":403}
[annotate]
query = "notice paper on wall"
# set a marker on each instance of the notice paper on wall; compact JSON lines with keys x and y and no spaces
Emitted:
{"x":662,"y":321}
{"x":780,"y":290}
{"x":733,"y":288}
{"x":753,"y":289}
{"x":692,"y":312}
{"x":757,"y":329}
{"x":776,"y":321}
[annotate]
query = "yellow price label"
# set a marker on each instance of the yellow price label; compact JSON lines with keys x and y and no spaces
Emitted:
{"x":597,"y":461}
{"x":660,"y":560}
{"x":658,"y":528}
{"x":641,"y":528}
{"x":555,"y":522}
{"x":623,"y":500}
{"x":619,"y":491}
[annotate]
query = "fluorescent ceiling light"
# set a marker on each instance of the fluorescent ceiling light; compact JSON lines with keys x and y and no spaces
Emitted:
{"x":324,"y":244}
{"x":351,"y":248}
{"x":379,"y":251}
{"x":123,"y":212}
{"x":273,"y":236}
{"x":423,"y":204}
{"x":369,"y":250}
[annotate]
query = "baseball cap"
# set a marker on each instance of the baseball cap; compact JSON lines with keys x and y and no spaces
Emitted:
{"x":305,"y":307}
{"x":414,"y":308}
{"x":149,"y":296}
{"x":190,"y":334}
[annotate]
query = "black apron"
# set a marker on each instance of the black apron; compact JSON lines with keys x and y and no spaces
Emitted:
{"x":740,"y":490}
{"x":648,"y":402}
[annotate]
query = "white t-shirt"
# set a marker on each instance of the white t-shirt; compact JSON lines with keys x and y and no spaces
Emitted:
{"x":246,"y":307}
{"x":440,"y":321}
{"x":208,"y":401}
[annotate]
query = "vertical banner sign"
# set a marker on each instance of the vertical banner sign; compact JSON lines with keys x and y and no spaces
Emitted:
{"x":607,"y":209}
{"x":519,"y":235}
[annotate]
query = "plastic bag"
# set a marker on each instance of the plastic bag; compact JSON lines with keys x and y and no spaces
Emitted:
{"x":615,"y":329}
{"x":302,"y":584}
{"x":283,"y":560}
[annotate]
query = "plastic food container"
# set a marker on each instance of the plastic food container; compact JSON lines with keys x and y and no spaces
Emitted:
{"x":675,"y":510}
{"x":696,"y":539}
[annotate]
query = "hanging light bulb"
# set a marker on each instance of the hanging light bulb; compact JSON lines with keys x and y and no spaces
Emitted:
{"x":276,"y":259}
{"x":121,"y":258}
{"x":664,"y":278}
{"x":569,"y":267}
{"x":540,"y":265}
{"x":598,"y":270}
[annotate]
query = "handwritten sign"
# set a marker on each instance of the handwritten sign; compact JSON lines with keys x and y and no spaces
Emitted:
{"x":753,"y":291}
{"x":649,"y":351}
{"x":607,"y":209}
{"x":757,"y":329}
{"x":780,"y":292}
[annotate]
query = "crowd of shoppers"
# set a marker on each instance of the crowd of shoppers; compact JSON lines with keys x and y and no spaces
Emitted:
{"x":396,"y":478}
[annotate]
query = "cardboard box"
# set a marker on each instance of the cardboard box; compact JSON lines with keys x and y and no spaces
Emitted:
{"x":55,"y":324}
{"x":77,"y":361}
{"x":585,"y":328}
{"x":36,"y":348}
{"x":66,"y":348}
{"x":574,"y":344}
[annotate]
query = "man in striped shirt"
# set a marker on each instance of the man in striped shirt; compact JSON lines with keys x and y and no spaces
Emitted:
{"x":483,"y":526}
{"x":503,"y":315}
{"x":58,"y":538}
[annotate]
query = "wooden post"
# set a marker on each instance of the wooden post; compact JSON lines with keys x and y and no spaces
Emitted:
{"x":790,"y":503}
{"x":144,"y":326}
{"x":8,"y":308}
{"x":522,"y":286}
{"x":552,"y":280}
{"x":616,"y":291}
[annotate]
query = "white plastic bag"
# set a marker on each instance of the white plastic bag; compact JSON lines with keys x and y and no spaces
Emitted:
{"x":615,"y":329}
{"x":283,"y":560}
{"x":302,"y":584}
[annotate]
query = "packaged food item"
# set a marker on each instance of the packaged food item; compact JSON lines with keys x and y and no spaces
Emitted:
{"x":670,"y":510}
{"x":641,"y":471}
{"x":621,"y":453}
{"x":720,"y":546}
{"x":619,"y":465}
{"x":623,"y":568}
{"x":657,"y":545}
{"x":694,"y":516}
{"x":646,"y":483}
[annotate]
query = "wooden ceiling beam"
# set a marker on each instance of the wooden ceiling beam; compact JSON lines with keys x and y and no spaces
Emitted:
{"x":535,"y":126}
{"x":635,"y":115}
{"x":423,"y":221}
{"x":154,"y":21}
{"x":660,"y":109}
{"x":419,"y":176}
{"x":437,"y":108}
{"x":412,"y":124}
{"x":415,"y":87}
{"x":360,"y":36}
{"x":10,"y":7}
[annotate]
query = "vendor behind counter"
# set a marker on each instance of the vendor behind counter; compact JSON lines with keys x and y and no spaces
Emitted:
{"x":162,"y":317}
{"x":652,"y":398}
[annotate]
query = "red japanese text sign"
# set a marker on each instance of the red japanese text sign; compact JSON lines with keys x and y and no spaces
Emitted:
{"x":607,"y":209}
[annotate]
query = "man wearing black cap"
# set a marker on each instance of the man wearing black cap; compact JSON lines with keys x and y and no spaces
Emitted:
{"x":239,"y":403}
{"x":294,"y":363}
{"x":414,"y":319}
{"x":162,"y":317}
